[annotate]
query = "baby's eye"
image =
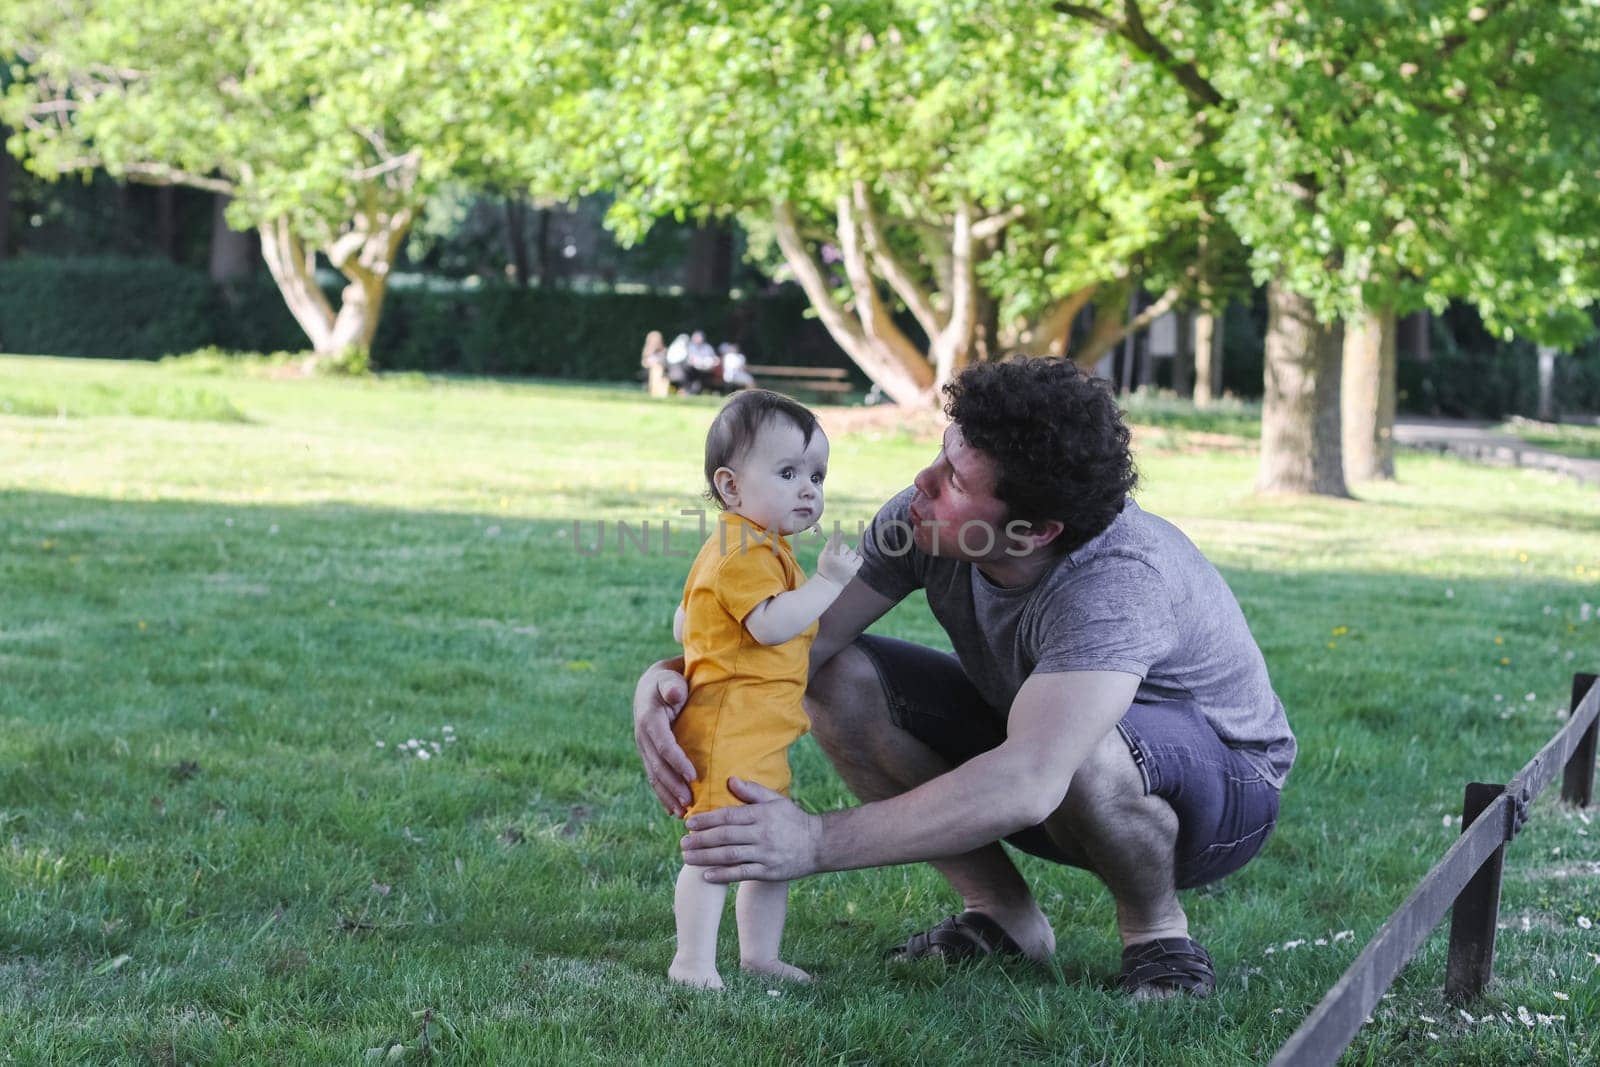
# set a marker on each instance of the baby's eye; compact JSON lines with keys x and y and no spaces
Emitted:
{"x":786,"y":474}
{"x":817,"y":478}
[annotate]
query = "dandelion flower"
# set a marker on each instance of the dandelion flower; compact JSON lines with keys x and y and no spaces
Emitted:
{"x":1560,"y":995}
{"x":382,"y":745}
{"x":1584,"y":923}
{"x":423,"y":753}
{"x":1499,"y":640}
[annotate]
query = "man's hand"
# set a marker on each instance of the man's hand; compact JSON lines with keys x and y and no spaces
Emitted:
{"x":657,"y":699}
{"x":838,"y":562}
{"x":767,"y":839}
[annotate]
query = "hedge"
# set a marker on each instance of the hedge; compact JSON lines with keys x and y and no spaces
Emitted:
{"x":145,"y":309}
{"x":105,"y":307}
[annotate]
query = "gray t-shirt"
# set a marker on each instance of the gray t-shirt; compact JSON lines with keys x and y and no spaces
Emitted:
{"x":1139,"y":598}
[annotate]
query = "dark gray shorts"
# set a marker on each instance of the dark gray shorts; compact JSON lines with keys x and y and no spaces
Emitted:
{"x":1225,"y":807}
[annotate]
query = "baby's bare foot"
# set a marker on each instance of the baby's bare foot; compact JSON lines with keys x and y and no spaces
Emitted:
{"x":699,"y":977}
{"x":776,"y":969}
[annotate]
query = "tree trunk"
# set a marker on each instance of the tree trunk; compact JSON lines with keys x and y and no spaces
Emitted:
{"x":1416,"y":335}
{"x":516,"y":215}
{"x":1368,"y":392}
{"x":870,"y":339}
{"x":166,"y":197}
{"x":1207,"y":358}
{"x":541,"y":249}
{"x":709,"y":266}
{"x":5,"y":196}
{"x":1300,"y":415}
{"x":1112,"y":322}
{"x":1183,"y":357}
{"x":363,"y":254}
{"x":232,"y":251}
{"x":1547,"y":384}
{"x":1051,"y":333}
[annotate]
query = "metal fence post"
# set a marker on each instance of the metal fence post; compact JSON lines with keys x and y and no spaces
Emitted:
{"x":1476,"y":910}
{"x":1577,"y":783}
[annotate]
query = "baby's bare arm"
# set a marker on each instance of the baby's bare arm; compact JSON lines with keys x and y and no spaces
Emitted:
{"x":677,"y":625}
{"x":783,"y":617}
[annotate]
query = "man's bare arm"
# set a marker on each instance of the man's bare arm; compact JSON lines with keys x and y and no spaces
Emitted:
{"x":1055,"y":721}
{"x":846,"y":619}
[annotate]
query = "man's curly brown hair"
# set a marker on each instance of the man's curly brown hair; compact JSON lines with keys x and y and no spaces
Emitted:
{"x":1056,"y":438}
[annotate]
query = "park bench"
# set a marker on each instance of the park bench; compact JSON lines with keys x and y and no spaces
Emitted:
{"x":834,"y":380}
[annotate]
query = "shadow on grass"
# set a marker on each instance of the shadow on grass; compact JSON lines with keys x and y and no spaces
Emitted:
{"x":273,"y":648}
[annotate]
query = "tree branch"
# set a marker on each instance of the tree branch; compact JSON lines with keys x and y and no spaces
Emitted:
{"x":991,"y":226}
{"x":161,"y":174}
{"x":916,"y":298}
{"x":1132,"y":29}
{"x":809,"y":275}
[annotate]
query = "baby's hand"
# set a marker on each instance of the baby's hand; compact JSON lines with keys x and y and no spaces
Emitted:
{"x":838,"y":562}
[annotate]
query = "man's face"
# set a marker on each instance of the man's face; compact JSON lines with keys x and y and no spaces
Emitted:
{"x":955,"y":513}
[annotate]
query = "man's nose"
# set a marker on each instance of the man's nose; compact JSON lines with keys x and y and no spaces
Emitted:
{"x":924,"y":481}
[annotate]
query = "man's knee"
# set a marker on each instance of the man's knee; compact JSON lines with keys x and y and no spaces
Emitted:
{"x":1107,"y":794}
{"x":845,"y":699}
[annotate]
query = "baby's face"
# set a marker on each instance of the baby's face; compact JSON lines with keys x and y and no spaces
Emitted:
{"x":779,"y":479}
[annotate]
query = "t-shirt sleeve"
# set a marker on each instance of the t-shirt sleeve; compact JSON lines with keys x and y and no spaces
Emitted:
{"x":890,"y":563}
{"x":746,"y":577}
{"x":1114,"y":615}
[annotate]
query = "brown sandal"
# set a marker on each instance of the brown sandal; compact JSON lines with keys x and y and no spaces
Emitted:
{"x":1166,"y":966}
{"x":971,"y":935}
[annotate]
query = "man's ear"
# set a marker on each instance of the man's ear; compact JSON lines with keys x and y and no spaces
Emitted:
{"x":727,"y":485}
{"x":1033,"y":535}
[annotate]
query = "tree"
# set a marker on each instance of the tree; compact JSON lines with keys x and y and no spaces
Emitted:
{"x":326,"y":123}
{"x":982,"y":167}
{"x":1372,"y":153}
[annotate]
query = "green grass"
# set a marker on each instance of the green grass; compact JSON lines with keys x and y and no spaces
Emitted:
{"x":1580,"y":441}
{"x":209,"y":625}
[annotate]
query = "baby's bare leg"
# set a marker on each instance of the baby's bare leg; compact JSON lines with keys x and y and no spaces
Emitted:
{"x":697,"y":904}
{"x":761,"y":908}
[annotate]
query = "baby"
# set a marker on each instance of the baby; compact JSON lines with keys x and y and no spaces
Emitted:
{"x":746,"y":622}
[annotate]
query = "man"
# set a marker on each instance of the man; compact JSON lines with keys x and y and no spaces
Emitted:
{"x":1106,"y":706}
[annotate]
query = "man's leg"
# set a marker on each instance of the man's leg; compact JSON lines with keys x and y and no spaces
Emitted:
{"x":1128,"y":838}
{"x":850,"y":720}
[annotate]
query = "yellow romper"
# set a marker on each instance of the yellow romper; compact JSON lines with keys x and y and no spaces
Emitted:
{"x":744,"y":707}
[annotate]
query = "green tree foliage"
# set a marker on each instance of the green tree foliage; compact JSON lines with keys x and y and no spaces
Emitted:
{"x":1379,"y":155}
{"x":988,"y":167}
{"x":328,"y":122}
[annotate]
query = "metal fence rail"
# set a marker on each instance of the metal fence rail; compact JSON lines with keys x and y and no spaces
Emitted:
{"x":1467,"y":878}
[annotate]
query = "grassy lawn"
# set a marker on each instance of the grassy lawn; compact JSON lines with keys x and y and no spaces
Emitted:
{"x":1580,"y":441}
{"x":230,"y":602}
